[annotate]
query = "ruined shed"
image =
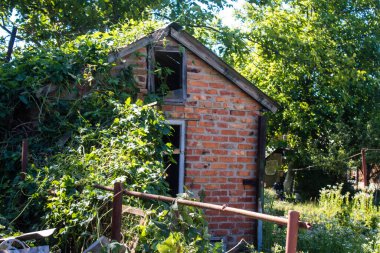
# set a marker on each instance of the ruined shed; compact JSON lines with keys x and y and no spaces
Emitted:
{"x":216,"y":116}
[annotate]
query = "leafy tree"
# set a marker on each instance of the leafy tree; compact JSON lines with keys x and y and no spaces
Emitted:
{"x":40,"y":20}
{"x":320,"y":61}
{"x":57,"y":21}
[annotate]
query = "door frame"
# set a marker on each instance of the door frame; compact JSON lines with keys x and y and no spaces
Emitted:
{"x":181,"y":166}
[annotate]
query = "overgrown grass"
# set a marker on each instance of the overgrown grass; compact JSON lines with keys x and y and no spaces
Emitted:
{"x":340,"y":223}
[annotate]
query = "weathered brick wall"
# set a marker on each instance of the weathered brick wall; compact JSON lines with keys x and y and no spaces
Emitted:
{"x":221,"y":143}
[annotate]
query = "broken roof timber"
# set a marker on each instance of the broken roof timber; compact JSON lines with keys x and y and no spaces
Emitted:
{"x":176,"y":32}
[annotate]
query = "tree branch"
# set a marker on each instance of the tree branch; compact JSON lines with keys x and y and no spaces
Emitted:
{"x":5,"y":29}
{"x":3,"y":26}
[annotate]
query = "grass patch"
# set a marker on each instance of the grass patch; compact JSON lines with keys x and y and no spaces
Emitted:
{"x":340,"y":223}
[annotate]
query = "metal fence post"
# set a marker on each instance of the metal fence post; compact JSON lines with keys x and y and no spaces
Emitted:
{"x":292,"y":231}
{"x":116,"y":211}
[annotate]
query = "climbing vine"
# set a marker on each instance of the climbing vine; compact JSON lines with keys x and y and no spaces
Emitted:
{"x":84,"y":127}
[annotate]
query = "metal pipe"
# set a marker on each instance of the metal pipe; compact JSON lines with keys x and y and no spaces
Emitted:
{"x":260,"y":177}
{"x":292,"y":232}
{"x":223,"y":208}
{"x":116,"y":212}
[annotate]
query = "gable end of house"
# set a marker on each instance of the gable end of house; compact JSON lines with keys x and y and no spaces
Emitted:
{"x":176,"y":32}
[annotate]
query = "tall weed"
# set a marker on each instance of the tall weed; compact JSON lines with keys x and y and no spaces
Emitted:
{"x":340,"y":223}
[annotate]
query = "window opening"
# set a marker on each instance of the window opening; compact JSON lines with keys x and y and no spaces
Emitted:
{"x":169,"y":81}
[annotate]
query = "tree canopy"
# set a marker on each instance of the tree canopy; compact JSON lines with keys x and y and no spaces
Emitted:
{"x":320,"y":61}
{"x":41,"y":21}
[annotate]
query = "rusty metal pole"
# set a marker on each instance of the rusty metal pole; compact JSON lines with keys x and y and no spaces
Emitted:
{"x":292,"y":232}
{"x":364,"y":168}
{"x":24,"y":158}
{"x":223,"y":208}
{"x":116,"y":211}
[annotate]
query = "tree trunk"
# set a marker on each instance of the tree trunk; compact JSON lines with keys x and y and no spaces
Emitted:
{"x":10,"y":44}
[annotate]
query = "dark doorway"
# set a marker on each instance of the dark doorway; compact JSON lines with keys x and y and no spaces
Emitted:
{"x":175,"y":166}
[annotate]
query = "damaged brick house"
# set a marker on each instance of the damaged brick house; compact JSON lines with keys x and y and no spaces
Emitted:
{"x":219,"y":134}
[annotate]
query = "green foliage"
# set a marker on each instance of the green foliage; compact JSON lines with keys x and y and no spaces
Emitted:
{"x":320,"y":61}
{"x":339,"y":223}
{"x":41,"y":22}
{"x":128,"y":148}
{"x":84,"y":128}
{"x":308,"y":183}
{"x":178,"y":228}
{"x":40,"y":99}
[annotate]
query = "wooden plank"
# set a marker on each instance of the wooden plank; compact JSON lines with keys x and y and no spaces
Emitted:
{"x":209,"y":57}
{"x":184,"y":75}
{"x":172,"y":49}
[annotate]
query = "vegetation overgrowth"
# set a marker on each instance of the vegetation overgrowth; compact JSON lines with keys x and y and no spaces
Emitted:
{"x":341,"y":223}
{"x":84,"y":127}
{"x":319,"y":59}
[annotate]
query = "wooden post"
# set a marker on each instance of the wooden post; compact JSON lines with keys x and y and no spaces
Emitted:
{"x":364,"y":168}
{"x":116,"y":211}
{"x":24,"y":158}
{"x":292,"y":232}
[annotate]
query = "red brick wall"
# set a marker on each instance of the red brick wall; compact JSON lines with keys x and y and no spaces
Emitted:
{"x":221,"y":143}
